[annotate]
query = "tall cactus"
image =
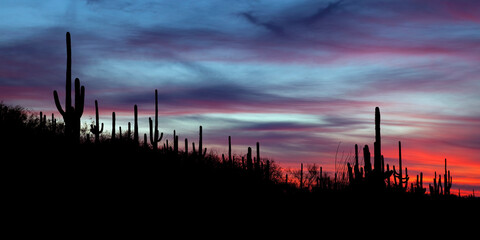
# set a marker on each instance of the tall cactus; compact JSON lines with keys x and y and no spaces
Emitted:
{"x":249,"y":159}
{"x":175,"y":143}
{"x":94,"y":128}
{"x":200,"y":141}
{"x":356,"y":168}
{"x":435,"y":189}
{"x":135,"y":125}
{"x":129,"y":132}
{"x":402,"y":181}
{"x":257,"y":164}
{"x":230,"y":150}
{"x":379,"y":175}
{"x":366,"y":159}
{"x":201,"y":151}
{"x":447,"y":180}
{"x":378,"y":144}
{"x":419,"y":185}
{"x":54,"y":123}
{"x":113,"y":126}
{"x":155,"y":137}
{"x":71,"y":115}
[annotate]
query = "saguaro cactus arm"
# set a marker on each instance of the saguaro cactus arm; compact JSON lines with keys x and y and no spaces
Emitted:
{"x":57,"y":103}
{"x":79,"y":98}
{"x":154,"y":138}
{"x":95,"y":128}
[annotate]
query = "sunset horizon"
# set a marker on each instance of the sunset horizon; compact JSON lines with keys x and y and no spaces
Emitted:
{"x":302,"y":78}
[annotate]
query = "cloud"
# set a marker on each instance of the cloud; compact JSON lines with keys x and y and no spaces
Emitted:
{"x":322,"y":12}
{"x":272,"y":27}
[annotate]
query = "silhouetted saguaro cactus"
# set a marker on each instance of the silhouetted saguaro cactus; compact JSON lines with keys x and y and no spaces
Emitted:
{"x":155,"y":137}
{"x":145,"y":141}
{"x":230,"y":150}
{"x":419,"y":185}
{"x":249,"y":159}
{"x":257,"y":164}
{"x":113,"y":126}
{"x":378,"y":175}
{"x":366,"y":159}
{"x":71,"y":115}
{"x":129,"y":132}
{"x":201,"y":152}
{"x":437,"y":188}
{"x":135,"y":125}
{"x":434,"y":189}
{"x":94,"y":128}
{"x":120,"y":133}
{"x":447,"y":180}
{"x":378,"y":143}
{"x":358,"y":175}
{"x":351,"y":179}
{"x":175,"y":143}
{"x":402,"y":181}
{"x":54,"y":123}
{"x":43,"y":121}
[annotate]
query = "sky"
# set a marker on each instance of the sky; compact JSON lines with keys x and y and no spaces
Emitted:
{"x":301,"y":77}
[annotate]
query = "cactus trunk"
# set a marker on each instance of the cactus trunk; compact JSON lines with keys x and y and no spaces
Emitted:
{"x":156,"y":137}
{"x":366,"y":159}
{"x":377,"y":144}
{"x":95,"y":128}
{"x":135,"y":125}
{"x":113,"y":126}
{"x":400,"y":176}
{"x":230,"y":150}
{"x":200,"y":141}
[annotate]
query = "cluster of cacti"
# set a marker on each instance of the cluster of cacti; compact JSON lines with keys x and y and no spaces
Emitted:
{"x":375,"y":177}
{"x":437,"y":188}
{"x":43,"y":120}
{"x":44,"y":125}
{"x":313,"y":179}
{"x":418,"y":187}
{"x":378,"y":175}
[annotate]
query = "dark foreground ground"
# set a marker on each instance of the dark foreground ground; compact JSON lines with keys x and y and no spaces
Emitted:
{"x":48,"y":182}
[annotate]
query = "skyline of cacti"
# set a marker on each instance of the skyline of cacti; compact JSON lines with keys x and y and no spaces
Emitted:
{"x":72,"y":114}
{"x":375,"y":178}
{"x":300,"y":77}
